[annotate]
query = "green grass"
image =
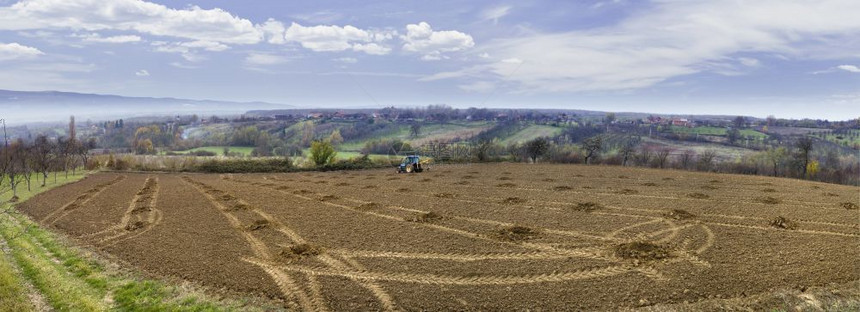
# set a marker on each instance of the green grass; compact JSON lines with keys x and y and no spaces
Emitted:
{"x":842,"y":139}
{"x":716,"y":131}
{"x":530,"y":133}
{"x":69,"y":279}
{"x":219,"y":150}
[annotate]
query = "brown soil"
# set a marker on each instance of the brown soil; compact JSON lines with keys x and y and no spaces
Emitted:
{"x":698,"y":196}
{"x":587,"y":206}
{"x":641,"y":251}
{"x":468,"y":249}
{"x":679,"y":214}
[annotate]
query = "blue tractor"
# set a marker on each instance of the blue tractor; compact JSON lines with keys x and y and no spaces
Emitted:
{"x":410,"y":164}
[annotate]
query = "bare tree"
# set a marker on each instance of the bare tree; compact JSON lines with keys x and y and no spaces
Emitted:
{"x":706,"y":160}
{"x":627,"y":151}
{"x":44,"y":156}
{"x":777,"y":156}
{"x":592,"y":147}
{"x":801,"y":156}
{"x":661,"y":155}
{"x":644,"y":156}
{"x":687,"y":158}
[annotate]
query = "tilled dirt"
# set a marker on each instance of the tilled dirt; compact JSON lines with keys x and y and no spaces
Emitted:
{"x":478,"y":237}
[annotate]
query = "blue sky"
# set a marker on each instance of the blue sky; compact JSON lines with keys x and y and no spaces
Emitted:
{"x":781,"y":57}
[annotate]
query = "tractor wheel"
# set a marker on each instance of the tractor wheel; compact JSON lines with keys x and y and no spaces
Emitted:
{"x":408,"y":169}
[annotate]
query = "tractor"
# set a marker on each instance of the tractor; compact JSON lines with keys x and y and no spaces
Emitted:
{"x":412,"y":163}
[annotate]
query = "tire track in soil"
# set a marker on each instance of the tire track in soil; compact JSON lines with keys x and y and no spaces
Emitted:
{"x":288,"y":287}
{"x":549,"y":250}
{"x":81,"y":199}
{"x":433,"y":279}
{"x":460,"y":257}
{"x":733,"y":199}
{"x":318,"y":302}
{"x":767,"y":228}
{"x":140,"y":217}
{"x":659,"y":212}
{"x":585,"y":253}
{"x":537,"y":246}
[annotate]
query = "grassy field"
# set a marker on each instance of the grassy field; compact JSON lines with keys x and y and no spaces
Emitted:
{"x":219,"y":150}
{"x":716,"y":131}
{"x":532,"y":132}
{"x":442,"y":132}
{"x":40,"y":270}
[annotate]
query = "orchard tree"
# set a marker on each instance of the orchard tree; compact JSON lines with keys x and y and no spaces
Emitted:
{"x":802,"y":154}
{"x":592,"y":147}
{"x":536,"y":148}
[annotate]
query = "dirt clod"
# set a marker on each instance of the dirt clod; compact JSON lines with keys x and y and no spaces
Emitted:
{"x":587,"y":206}
{"x":444,"y":195}
{"x":506,"y":185}
{"x":783,"y":223}
{"x":698,"y":196}
{"x":516,"y":233}
{"x":513,"y":200}
{"x":641,"y":251}
{"x":768,"y":200}
{"x":562,"y":188}
{"x":135,"y":225}
{"x":257,"y":225}
{"x":679,"y":214}
{"x":769,"y":190}
{"x":328,"y":198}
{"x":849,"y":206}
{"x":426,"y":217}
{"x":627,"y":192}
{"x":301,"y":251}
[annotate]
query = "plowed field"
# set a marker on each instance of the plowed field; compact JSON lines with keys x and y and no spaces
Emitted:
{"x":476,"y":237}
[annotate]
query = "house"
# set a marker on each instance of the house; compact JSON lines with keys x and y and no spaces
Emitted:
{"x":683,"y":122}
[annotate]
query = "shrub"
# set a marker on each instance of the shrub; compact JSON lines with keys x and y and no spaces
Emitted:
{"x":245,"y":165}
{"x":322,"y":153}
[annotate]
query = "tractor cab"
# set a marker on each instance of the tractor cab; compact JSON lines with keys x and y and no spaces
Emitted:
{"x":410,"y":163}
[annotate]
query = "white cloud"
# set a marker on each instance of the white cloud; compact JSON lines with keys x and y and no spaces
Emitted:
{"x":371,"y":48}
{"x":181,"y":65}
{"x":332,"y":38}
{"x":95,"y":37}
{"x":189,"y":50}
{"x":348,"y":60}
{"x":264,"y":59}
{"x":193,"y":23}
{"x":671,"y":39}
{"x":421,"y":38}
{"x":478,"y":86}
{"x":274,"y":31}
{"x":321,"y":17}
{"x":749,"y":62}
{"x":849,"y":68}
{"x":142,"y":73}
{"x":15,"y":51}
{"x":494,"y":14}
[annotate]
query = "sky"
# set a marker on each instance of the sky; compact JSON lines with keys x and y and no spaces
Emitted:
{"x":791,"y":59}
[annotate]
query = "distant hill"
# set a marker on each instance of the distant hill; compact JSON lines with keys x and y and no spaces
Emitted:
{"x":46,"y":106}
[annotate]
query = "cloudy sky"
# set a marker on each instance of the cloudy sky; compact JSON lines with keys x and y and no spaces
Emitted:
{"x":759,"y":57}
